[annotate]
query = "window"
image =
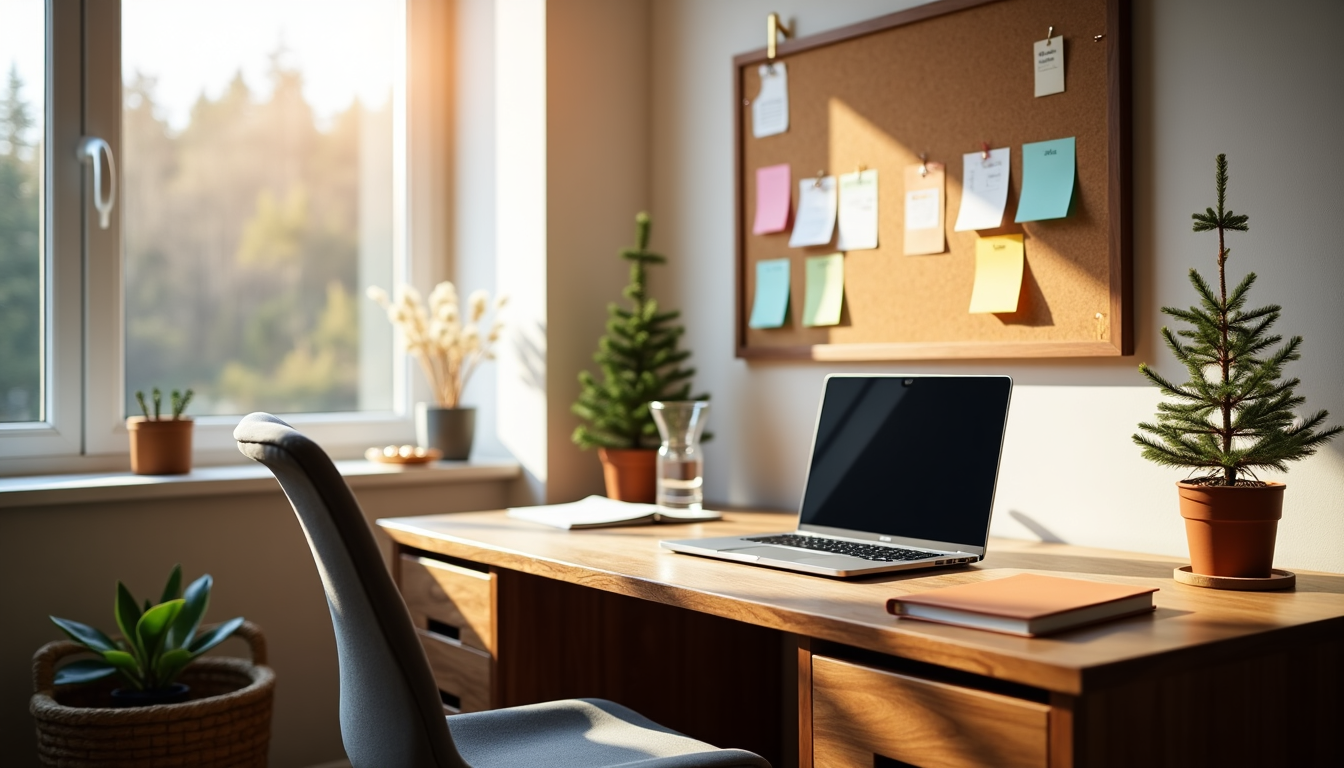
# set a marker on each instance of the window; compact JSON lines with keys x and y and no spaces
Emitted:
{"x":259,"y":163}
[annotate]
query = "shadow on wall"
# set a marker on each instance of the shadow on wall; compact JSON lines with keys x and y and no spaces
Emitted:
{"x":1038,"y":530}
{"x":531,"y":354}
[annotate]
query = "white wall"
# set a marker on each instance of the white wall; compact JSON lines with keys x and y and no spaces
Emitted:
{"x":1259,"y":81}
{"x":473,"y":213}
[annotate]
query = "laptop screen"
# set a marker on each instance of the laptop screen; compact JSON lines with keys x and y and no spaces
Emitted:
{"x":908,"y":456}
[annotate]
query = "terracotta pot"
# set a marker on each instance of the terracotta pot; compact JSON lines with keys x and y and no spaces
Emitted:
{"x":1231,"y":530}
{"x":629,"y":473}
{"x":161,"y":447}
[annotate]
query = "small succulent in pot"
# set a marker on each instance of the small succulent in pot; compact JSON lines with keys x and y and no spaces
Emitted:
{"x":179,"y":401}
{"x":157,"y":640}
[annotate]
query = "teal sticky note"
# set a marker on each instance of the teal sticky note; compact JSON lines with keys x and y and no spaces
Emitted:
{"x":772,"y":294}
{"x":1047,"y":180}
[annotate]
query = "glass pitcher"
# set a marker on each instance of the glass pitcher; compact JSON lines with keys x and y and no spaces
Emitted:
{"x":680,"y":463}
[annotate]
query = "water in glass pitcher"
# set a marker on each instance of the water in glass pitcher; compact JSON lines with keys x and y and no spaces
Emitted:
{"x":680,"y":465}
{"x":680,"y":483}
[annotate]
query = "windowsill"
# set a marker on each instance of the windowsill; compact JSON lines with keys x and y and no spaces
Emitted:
{"x":44,"y":490}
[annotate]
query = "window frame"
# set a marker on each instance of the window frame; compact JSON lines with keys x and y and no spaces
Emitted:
{"x":82,"y":426}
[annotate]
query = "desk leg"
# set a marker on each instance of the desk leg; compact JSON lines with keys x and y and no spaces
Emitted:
{"x":1063,"y":709}
{"x":804,"y":702}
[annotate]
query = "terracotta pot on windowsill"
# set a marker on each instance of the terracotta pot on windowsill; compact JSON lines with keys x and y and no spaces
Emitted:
{"x":160,"y":446}
{"x":1231,"y":529}
{"x":629,"y":473}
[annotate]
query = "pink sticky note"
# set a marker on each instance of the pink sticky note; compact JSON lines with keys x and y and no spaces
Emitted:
{"x":773,"y":187}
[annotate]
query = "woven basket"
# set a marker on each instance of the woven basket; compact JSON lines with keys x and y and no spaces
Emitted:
{"x":225,"y":723}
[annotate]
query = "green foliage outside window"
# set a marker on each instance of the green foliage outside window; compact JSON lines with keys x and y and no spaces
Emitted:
{"x":242,"y":248}
{"x":20,"y":256}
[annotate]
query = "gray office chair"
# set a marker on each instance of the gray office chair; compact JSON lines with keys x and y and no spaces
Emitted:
{"x":391,"y":716}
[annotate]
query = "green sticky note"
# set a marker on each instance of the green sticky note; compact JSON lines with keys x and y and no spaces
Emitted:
{"x":772,"y":294}
{"x":1047,"y":180}
{"x":825,"y":290}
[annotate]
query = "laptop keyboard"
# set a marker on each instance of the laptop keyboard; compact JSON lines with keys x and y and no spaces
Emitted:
{"x":835,"y":546}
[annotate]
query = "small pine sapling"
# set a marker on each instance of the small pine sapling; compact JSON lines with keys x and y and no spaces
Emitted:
{"x":639,"y":363}
{"x":1235,"y":414}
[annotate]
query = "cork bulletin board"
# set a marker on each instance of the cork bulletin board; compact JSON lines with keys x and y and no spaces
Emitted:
{"x":942,"y":79}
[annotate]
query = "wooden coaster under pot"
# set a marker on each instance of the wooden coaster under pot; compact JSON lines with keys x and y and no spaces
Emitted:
{"x":1277,"y":579}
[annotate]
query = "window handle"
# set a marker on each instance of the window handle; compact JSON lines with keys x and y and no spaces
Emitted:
{"x":91,"y":150}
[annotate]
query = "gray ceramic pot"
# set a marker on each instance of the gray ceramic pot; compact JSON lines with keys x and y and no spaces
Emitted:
{"x":450,"y":430}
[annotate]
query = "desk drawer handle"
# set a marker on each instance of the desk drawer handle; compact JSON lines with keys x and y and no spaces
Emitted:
{"x":450,"y":701}
{"x":439,"y":628}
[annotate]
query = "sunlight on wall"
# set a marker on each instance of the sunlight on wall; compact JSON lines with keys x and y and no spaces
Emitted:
{"x":520,"y":67}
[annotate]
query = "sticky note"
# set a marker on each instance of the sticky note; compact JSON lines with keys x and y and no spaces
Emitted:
{"x":772,"y":294}
{"x":998,"y":274}
{"x":1049,"y":56}
{"x":1047,"y":180}
{"x":772,"y":199}
{"x":770,"y":109}
{"x":984,"y":190}
{"x":825,"y":290}
{"x":858,"y":211}
{"x":815,"y":222}
{"x":924,"y":187}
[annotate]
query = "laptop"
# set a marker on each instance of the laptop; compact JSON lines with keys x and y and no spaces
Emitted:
{"x":901,"y":477}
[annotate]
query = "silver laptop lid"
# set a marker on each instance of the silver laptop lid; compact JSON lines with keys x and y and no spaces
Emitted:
{"x":907,"y":459}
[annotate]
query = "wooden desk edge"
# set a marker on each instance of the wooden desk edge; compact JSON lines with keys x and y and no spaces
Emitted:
{"x":891,"y":639}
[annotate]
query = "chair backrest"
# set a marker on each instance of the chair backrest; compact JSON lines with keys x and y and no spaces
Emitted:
{"x":391,"y":713}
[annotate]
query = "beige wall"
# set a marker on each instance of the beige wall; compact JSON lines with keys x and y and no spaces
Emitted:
{"x":1259,"y":81}
{"x":65,"y":561}
{"x":571,"y":114}
{"x":597,"y":167}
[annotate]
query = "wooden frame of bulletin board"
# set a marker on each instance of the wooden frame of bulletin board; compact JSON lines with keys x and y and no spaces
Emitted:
{"x":941,"y":79}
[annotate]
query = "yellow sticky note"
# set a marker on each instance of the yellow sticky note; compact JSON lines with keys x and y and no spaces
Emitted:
{"x":998,"y":274}
{"x":825,"y":291}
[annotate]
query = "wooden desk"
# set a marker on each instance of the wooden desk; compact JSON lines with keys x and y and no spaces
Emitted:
{"x":812,"y":671}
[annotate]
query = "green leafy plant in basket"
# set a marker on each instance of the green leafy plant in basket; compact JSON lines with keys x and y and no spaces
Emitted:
{"x":157,"y":641}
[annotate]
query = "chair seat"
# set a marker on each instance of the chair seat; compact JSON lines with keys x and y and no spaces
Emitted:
{"x":583,"y":733}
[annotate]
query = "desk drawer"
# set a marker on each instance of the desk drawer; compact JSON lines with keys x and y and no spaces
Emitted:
{"x":460,"y":671}
{"x":859,"y":711}
{"x":449,"y":600}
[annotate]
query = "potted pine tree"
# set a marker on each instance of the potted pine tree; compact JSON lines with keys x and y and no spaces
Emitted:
{"x":640,"y":363}
{"x":1233,"y":417}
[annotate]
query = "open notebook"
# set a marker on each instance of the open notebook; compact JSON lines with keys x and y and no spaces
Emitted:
{"x":602,"y":512}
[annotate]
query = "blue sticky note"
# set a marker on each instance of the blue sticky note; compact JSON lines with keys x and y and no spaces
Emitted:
{"x":772,"y":294}
{"x":1047,"y":180}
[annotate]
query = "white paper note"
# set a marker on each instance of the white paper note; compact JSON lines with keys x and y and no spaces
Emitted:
{"x":984,"y":190}
{"x":921,"y":209}
{"x":1049,"y":56}
{"x":770,"y":109}
{"x":858,"y":211}
{"x":815,"y":222}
